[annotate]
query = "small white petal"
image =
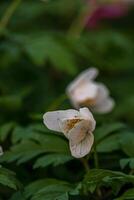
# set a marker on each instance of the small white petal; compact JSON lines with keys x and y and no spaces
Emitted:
{"x":53,"y":119}
{"x":89,"y":74}
{"x":83,"y":148}
{"x":104,"y":106}
{"x":85,"y":113}
{"x":103,"y":92}
{"x":85,"y":77}
{"x":85,"y":92}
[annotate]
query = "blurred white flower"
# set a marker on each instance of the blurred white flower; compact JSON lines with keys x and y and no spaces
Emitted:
{"x":77,"y":126}
{"x":84,"y":91}
{"x":1,"y":151}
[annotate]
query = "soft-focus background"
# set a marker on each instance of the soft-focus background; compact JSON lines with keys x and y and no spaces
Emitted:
{"x":43,"y":46}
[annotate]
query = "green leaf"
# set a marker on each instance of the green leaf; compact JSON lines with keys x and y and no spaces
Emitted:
{"x":8,"y":178}
{"x":5,"y":130}
{"x":129,"y":194}
{"x":22,"y":152}
{"x":49,"y":188}
{"x":22,"y":133}
{"x":106,"y":178}
{"x":127,"y":161}
{"x":52,"y":159}
{"x":106,"y":129}
{"x":18,"y":195}
{"x":43,"y":48}
{"x":51,"y":192}
{"x":27,"y":149}
{"x":33,"y":131}
{"x":127,"y":143}
{"x":109,"y":144}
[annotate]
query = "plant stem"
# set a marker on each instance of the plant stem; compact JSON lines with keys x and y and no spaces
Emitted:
{"x":79,"y":23}
{"x":85,"y":164}
{"x":96,"y":164}
{"x":8,"y":14}
{"x":96,"y":160}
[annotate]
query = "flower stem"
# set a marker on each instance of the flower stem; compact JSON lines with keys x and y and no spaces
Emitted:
{"x":96,"y":164}
{"x":84,"y":161}
{"x":79,"y":23}
{"x":8,"y":14}
{"x":96,"y":160}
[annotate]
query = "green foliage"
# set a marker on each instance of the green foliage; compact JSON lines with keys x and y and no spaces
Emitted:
{"x":48,"y":189}
{"x":105,"y":178}
{"x":108,"y":137}
{"x":127,"y":161}
{"x":32,"y":144}
{"x":52,"y":159}
{"x":107,"y":129}
{"x":43,"y":46}
{"x":7,"y":178}
{"x":127,"y":142}
{"x":5,"y":130}
{"x":129,"y":194}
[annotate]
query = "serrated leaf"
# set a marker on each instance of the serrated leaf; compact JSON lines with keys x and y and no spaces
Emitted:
{"x":40,"y":187}
{"x":21,"y":133}
{"x":52,"y":159}
{"x":128,"y":195}
{"x":5,"y":130}
{"x":8,"y":178}
{"x":106,"y":178}
{"x":43,"y":48}
{"x":22,"y":152}
{"x":39,"y":143}
{"x":51,"y":192}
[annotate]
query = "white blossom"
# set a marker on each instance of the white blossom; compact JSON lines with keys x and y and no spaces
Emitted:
{"x":84,"y":91}
{"x":1,"y":151}
{"x":77,"y":126}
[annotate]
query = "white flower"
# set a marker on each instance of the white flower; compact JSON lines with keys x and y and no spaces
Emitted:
{"x":84,"y":91}
{"x":77,"y":126}
{"x":1,"y":151}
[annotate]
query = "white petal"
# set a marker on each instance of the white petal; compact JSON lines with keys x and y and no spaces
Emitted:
{"x":85,"y":92}
{"x":89,"y":74}
{"x":53,"y":119}
{"x":104,"y":106}
{"x":85,"y":77}
{"x":79,"y":131}
{"x":85,"y":113}
{"x":103,"y":93}
{"x":83,"y":148}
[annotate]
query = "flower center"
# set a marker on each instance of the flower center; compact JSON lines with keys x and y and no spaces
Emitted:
{"x":88,"y":102}
{"x":70,"y":123}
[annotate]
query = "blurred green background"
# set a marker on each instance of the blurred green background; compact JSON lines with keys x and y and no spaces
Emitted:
{"x":40,"y":53}
{"x":43,"y":48}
